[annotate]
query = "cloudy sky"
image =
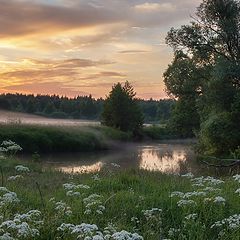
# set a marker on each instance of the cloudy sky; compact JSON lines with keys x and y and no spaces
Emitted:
{"x":78,"y":47}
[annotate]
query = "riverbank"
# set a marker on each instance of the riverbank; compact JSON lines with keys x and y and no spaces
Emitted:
{"x":136,"y":204}
{"x":48,"y":138}
{"x":45,"y":139}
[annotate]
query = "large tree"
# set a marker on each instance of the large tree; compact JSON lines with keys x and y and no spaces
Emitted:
{"x":121,"y":109}
{"x":208,"y":70}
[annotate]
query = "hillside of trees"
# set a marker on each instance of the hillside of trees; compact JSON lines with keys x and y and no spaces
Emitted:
{"x":81,"y":107}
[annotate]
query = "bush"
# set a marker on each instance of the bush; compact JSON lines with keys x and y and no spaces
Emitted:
{"x":218,"y":135}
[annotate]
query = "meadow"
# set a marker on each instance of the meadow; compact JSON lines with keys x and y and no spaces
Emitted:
{"x":37,"y":203}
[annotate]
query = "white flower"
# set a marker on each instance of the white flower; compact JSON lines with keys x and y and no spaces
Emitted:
{"x":220,"y":200}
{"x":93,"y":204}
{"x":22,"y":226}
{"x":232,"y":222}
{"x":13,"y":178}
{"x":21,"y":168}
{"x":124,"y":235}
{"x":188,"y":175}
{"x":238,"y":191}
{"x":183,"y":203}
{"x":191,"y":216}
{"x":176,"y":193}
{"x":237,"y":177}
{"x":7,"y":198}
{"x":152,"y":214}
{"x":115,"y":165}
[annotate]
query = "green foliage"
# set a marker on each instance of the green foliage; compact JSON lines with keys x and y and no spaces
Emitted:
{"x":129,"y":197}
{"x":217,"y":135}
{"x":81,"y":107}
{"x":205,"y":76}
{"x":158,"y":132}
{"x":44,"y":139}
{"x":185,"y":118}
{"x":121,"y":110}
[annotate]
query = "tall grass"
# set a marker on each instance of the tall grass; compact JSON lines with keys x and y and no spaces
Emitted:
{"x":36,"y":138}
{"x":126,"y":196}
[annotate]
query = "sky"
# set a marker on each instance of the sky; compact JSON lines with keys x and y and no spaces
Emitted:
{"x":82,"y":47}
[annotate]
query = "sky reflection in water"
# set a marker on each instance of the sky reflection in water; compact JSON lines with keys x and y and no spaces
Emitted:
{"x":170,"y":158}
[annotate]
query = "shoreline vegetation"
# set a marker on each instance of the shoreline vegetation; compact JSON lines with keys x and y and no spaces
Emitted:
{"x":46,"y":139}
{"x":115,"y":204}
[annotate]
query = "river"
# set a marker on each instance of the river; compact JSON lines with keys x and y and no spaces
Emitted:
{"x":172,"y":158}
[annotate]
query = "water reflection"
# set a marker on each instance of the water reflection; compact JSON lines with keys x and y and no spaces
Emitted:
{"x":170,"y":158}
{"x":96,"y":167}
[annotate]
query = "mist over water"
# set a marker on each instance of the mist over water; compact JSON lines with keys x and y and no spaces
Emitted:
{"x":168,"y":158}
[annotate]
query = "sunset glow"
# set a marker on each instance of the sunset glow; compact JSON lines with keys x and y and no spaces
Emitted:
{"x":81,"y":47}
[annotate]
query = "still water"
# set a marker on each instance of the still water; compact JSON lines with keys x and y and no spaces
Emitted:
{"x":168,"y":158}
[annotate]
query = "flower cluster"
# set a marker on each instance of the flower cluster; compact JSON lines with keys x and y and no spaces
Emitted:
{"x":91,"y":231}
{"x":73,"y":189}
{"x":7,"y":197}
{"x":232,"y":222}
{"x":23,"y":226}
{"x":21,"y":168}
{"x":93,"y":204}
{"x":154,"y":213}
{"x":10,"y":147}
{"x":13,"y":178}
{"x":61,"y":207}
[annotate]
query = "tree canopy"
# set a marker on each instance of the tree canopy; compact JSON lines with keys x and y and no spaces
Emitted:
{"x":205,"y":75}
{"x":121,"y":109}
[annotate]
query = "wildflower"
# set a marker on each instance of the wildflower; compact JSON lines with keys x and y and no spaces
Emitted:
{"x":22,"y":226}
{"x":13,"y":178}
{"x":232,"y":222}
{"x":183,"y":203}
{"x":152,"y":214}
{"x":82,"y":231}
{"x":7,"y":198}
{"x":188,"y":175}
{"x":115,"y":165}
{"x":178,"y":194}
{"x":126,"y":235}
{"x":62,"y":208}
{"x":96,"y":177}
{"x":21,"y":168}
{"x":173,"y":231}
{"x":237,"y":178}
{"x":10,"y":147}
{"x":220,"y":200}
{"x":191,"y":216}
{"x":211,"y":189}
{"x":73,"y":189}
{"x":93,"y":204}
{"x":238,"y":191}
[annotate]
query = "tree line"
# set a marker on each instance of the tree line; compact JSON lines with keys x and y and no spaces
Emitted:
{"x":80,"y":107}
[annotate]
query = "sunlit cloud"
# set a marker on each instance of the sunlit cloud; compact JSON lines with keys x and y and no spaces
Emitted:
{"x":72,"y":47}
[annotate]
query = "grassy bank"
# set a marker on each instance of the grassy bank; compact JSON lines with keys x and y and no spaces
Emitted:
{"x":48,"y":138}
{"x":42,"y":139}
{"x":138,"y":202}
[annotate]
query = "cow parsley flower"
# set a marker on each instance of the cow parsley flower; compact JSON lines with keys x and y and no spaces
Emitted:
{"x":14,"y":178}
{"x":23,"y":226}
{"x":183,"y":203}
{"x":93,"y":204}
{"x":188,"y":175}
{"x":219,"y":200}
{"x":237,"y":178}
{"x":21,"y":168}
{"x":232,"y":222}
{"x":238,"y":191}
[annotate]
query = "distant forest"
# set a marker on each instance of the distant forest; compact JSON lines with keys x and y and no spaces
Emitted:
{"x":81,"y":107}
